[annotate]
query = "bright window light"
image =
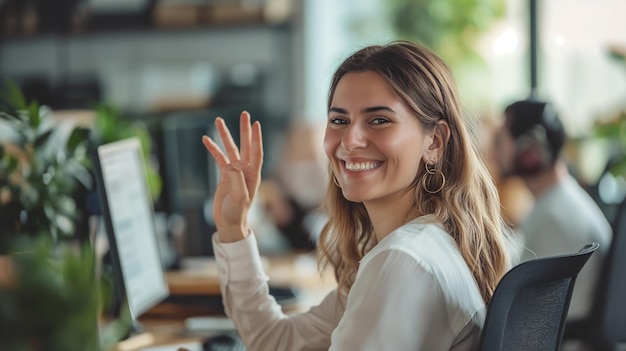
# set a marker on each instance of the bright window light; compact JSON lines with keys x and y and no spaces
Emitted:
{"x":559,"y":40}
{"x":505,"y":43}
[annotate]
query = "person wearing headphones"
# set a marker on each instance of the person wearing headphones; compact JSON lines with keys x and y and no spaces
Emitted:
{"x":563,"y":217}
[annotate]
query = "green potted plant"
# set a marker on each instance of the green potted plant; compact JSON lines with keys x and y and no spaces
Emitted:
{"x":51,"y":302}
{"x":41,"y":167}
{"x":49,"y":297}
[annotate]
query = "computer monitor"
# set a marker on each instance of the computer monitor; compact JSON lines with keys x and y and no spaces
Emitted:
{"x":190,"y":177}
{"x":128,"y":212}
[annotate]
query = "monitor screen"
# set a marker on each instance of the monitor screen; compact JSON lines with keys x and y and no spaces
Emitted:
{"x":190,"y":178}
{"x":129,"y":220}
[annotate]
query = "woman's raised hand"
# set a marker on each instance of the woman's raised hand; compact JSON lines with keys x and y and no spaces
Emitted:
{"x":240,"y":176}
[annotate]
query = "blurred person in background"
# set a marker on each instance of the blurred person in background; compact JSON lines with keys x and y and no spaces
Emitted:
{"x":292,"y":194}
{"x":563,"y":217}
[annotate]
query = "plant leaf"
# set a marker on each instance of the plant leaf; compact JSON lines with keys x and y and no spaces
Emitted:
{"x":42,"y":138}
{"x":34,"y":114}
{"x":77,"y":137}
{"x":13,"y":96}
{"x":9,"y":117}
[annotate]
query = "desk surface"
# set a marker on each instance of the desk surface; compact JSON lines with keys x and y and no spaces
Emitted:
{"x":198,"y":277}
{"x":160,"y":332}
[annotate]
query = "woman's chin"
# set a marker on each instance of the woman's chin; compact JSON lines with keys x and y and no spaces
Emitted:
{"x":352,"y":197}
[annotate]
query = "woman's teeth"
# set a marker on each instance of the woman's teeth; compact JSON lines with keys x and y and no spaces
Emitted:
{"x":361,"y":166}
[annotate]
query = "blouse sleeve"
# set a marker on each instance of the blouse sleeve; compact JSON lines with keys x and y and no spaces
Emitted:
{"x":395,"y":304}
{"x":258,"y":317}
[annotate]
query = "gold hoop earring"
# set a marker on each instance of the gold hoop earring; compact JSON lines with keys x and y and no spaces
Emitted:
{"x":429,"y":175}
{"x":336,"y":181}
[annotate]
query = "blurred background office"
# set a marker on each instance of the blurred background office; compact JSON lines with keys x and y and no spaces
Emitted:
{"x":172,"y":66}
{"x":162,"y":70}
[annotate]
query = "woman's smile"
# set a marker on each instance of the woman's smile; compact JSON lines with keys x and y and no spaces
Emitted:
{"x":353,"y":166}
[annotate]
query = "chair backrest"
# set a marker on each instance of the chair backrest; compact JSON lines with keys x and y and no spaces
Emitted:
{"x":609,"y":318}
{"x":529,"y":306}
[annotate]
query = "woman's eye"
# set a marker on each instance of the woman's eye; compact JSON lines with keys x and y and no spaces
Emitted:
{"x":337,"y":120}
{"x":380,"y":120}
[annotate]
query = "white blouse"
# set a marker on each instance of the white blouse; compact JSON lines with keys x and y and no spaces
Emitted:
{"x":413,"y":291}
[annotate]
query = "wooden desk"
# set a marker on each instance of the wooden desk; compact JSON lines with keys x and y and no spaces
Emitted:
{"x":199,"y":277}
{"x":159,"y":333}
{"x":165,"y":322}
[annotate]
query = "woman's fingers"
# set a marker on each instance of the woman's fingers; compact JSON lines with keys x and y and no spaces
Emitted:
{"x":248,"y":160}
{"x":256,"y":150}
{"x":229,"y":144}
{"x":256,"y":159}
{"x":215,"y":151}
{"x":244,"y":136}
{"x":240,"y":175}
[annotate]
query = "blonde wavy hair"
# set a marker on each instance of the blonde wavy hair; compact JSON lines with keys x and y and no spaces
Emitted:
{"x":468,"y":206}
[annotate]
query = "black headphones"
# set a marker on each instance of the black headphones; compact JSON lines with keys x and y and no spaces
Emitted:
{"x":538,"y":133}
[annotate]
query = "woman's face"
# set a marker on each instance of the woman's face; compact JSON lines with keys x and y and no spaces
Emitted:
{"x":373,"y":141}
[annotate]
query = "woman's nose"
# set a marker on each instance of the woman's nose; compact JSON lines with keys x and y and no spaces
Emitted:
{"x":353,"y":138}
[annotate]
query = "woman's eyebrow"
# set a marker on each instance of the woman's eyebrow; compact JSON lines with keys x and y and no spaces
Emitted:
{"x":338,"y":110}
{"x":378,"y":108}
{"x":365,"y":110}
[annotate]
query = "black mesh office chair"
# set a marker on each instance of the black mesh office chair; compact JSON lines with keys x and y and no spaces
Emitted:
{"x":528,"y":308}
{"x":606,"y":325}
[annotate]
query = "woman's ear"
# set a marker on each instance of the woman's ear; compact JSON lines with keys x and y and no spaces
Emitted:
{"x":440,"y":137}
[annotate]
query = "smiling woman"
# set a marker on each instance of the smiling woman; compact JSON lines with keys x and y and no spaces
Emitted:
{"x":414,"y":233}
{"x":376,"y":146}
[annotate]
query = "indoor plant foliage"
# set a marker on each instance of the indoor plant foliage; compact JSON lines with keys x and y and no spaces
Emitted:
{"x":614,"y":129}
{"x":41,"y":166}
{"x":52,"y":302}
{"x":450,"y":27}
{"x":49,"y":294}
{"x":111,"y":126}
